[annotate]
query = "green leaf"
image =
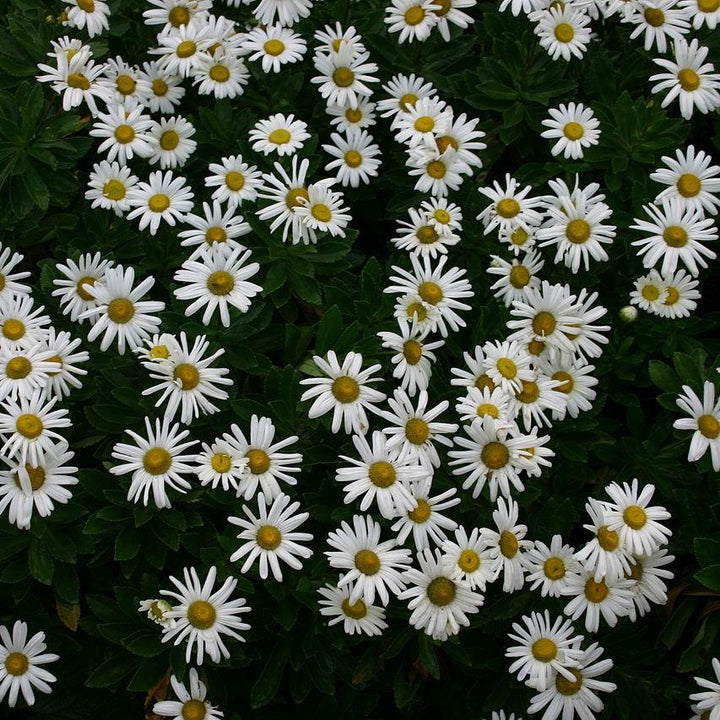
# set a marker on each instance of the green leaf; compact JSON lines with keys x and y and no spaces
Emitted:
{"x":111,"y":671}
{"x":40,"y":562}
{"x":709,"y":576}
{"x":268,"y":683}
{"x":707,"y":550}
{"x":328,"y":331}
{"x":127,"y":543}
{"x":664,"y":377}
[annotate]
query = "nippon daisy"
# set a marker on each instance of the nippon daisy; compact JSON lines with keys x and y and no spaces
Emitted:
{"x":413,"y":356}
{"x":203,"y":617}
{"x":518,"y":240}
{"x":25,"y":487}
{"x":156,"y":609}
{"x":508,"y":543}
{"x":187,"y":380}
{"x":587,"y":339}
{"x":108,"y":187}
{"x":275,"y":46}
{"x":122,"y":81}
{"x":579,"y":695}
{"x":379,"y":476}
{"x":474,"y":375}
{"x":20,"y":663}
{"x":163,"y":197}
{"x":222,"y":74}
{"x":120,"y":311}
{"x":675,"y":234}
{"x":469,"y":557}
{"x":437,"y":173}
{"x":9,"y":284}
{"x":446,"y":217}
{"x":20,"y":324}
{"x":648,"y":576}
{"x":174,"y":13}
{"x":355,"y":157}
{"x":343,"y":76}
{"x":345,"y":390}
{"x":439,"y":604}
{"x":611,"y":599}
{"x":691,"y":179}
{"x":478,"y":403}
{"x":357,"y":617}
{"x":279,"y":133}
{"x":61,"y":381}
{"x":549,"y":568}
{"x":170,"y":142}
{"x":84,"y":273}
{"x":215,"y":229}
{"x":450,"y":12}
{"x":77,"y":79}
{"x":681,"y":295}
{"x":166,"y":89}
{"x":426,"y":522}
{"x":91,"y":15}
{"x":516,"y":276}
{"x":333,"y":40}
{"x":411,"y":307}
{"x":271,"y":537}
{"x":155,"y":349}
{"x":575,"y":380}
{"x":124,"y":133}
{"x":426,"y":119}
{"x":507,"y":364}
{"x":370,"y":566}
{"x":288,"y":11}
{"x":659,"y":21}
{"x":650,"y":293}
{"x":421,"y":237}
{"x":510,"y":207}
{"x":708,"y":702}
{"x":216,"y":280}
{"x":323,"y":209}
{"x":413,"y":19}
{"x":461,"y":139}
{"x":235,"y":181}
{"x":266,"y":465}
{"x":563,"y":31}
{"x":190,"y":703}
{"x":182,"y":48}
{"x":404,"y":92}
{"x":156,"y":462}
{"x":24,"y":369}
{"x":438,"y":288}
{"x":544,"y":649}
{"x":704,"y":420}
{"x":688,"y":78}
{"x":575,"y":128}
{"x":347,"y":118}
{"x":702,"y":12}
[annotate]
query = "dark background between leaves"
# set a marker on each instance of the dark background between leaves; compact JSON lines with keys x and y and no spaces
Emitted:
{"x":80,"y":574}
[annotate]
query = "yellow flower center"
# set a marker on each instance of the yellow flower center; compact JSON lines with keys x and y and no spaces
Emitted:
{"x":564,"y":32}
{"x":573,"y":131}
{"x":292,"y":199}
{"x":78,"y":80}
{"x":13,"y":329}
{"x":18,"y":368}
{"x":36,"y":475}
{"x":441,"y":591}
{"x":235,"y":180}
{"x":442,"y":216}
{"x":607,"y":539}
{"x":113,"y":190}
{"x":708,"y":6}
{"x":675,"y":236}
{"x":577,"y":231}
{"x":215,"y":234}
{"x":159,"y":87}
{"x":507,"y":368}
{"x":709,"y":426}
{"x":356,"y":611}
{"x":518,"y":237}
{"x":345,"y":389}
{"x":121,"y":310}
{"x":407,"y":101}
{"x":186,"y":49}
{"x":417,"y":309}
{"x":544,"y":650}
{"x":125,"y":84}
{"x":343,"y":77}
{"x":193,"y":710}
{"x":382,"y":474}
{"x":321,"y":212}
{"x":281,"y":136}
{"x":487,"y":409}
{"x":569,"y":687}
{"x":220,"y":282}
{"x":87,"y":5}
{"x":689,"y":79}
{"x":554,"y":568}
{"x":484,"y":381}
{"x":159,"y":203}
{"x":530,"y":392}
{"x":536,"y":347}
{"x":424,"y":124}
{"x":544,"y":323}
{"x":179,"y":16}
{"x":159,"y":352}
{"x":596,"y":592}
{"x":444,"y":8}
{"x":430,"y":292}
{"x":654,"y":17}
{"x":635,"y":573}
{"x":157,"y":461}
{"x":16,"y":663}
{"x":445,"y":141}
{"x":509,"y":544}
{"x":219,"y":73}
{"x":417,"y":431}
{"x":672,"y":295}
{"x":124,"y":134}
{"x":221,"y":462}
{"x":494,"y":455}
{"x":353,"y":115}
{"x":412,"y":351}
{"x":635,"y":517}
{"x":258,"y":461}
{"x":427,"y":235}
{"x":421,"y":513}
{"x":436,"y":169}
{"x":414,"y":15}
{"x":268,"y":537}
{"x":508,"y":208}
{"x":519,"y":276}
{"x":353,"y":158}
{"x":367,"y":562}
{"x":650,"y":292}
{"x":469,"y":561}
{"x":188,"y":375}
{"x":274,"y":47}
{"x":568,"y":383}
{"x":201,"y":614}
{"x":169,"y":140}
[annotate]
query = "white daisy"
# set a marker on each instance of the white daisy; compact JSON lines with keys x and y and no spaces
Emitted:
{"x":510,"y":207}
{"x":563,"y":31}
{"x":170,"y":142}
{"x":77,"y":79}
{"x":166,"y":89}
{"x":470,"y":558}
{"x":275,"y":46}
{"x":174,"y":13}
{"x":222,"y":73}
{"x":516,"y":276}
{"x":437,"y":173}
{"x":549,"y":568}
{"x":190,"y":704}
{"x":124,"y":133}
{"x":357,"y":617}
{"x":9,"y":284}
{"x":659,"y":21}
{"x":404,"y":92}
{"x":412,"y":308}
{"x":343,"y":76}
{"x":611,"y":599}
{"x":322,"y":210}
{"x":576,"y":382}
{"x":680,"y":295}
{"x":216,"y":229}
{"x":156,"y":609}
{"x":122,"y":81}
{"x":355,"y":157}
{"x":650,"y":293}
{"x":478,"y":403}
{"x":108,"y":187}
{"x":220,"y":464}
{"x":24,"y":369}
{"x":91,"y":15}
{"x":413,"y":19}
{"x":702,"y":12}
{"x":450,"y":12}
{"x":421,"y":236}
{"x":75,"y":299}
{"x":347,"y":117}
{"x":279,"y":133}
{"x":288,"y":11}
{"x":162,"y":197}
{"x":20,"y":325}
{"x":235,"y":180}
{"x":647,"y":576}
{"x":182,"y":48}
{"x":704,"y":420}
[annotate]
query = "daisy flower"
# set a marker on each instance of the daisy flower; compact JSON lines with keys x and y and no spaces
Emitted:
{"x":411,"y":307}
{"x":124,"y":133}
{"x":190,"y":704}
{"x":215,"y":229}
{"x":121,"y":313}
{"x":343,"y":76}
{"x":404,"y":92}
{"x":444,"y":216}
{"x":220,"y":464}
{"x":20,"y":661}
{"x":347,"y":117}
{"x":345,"y":391}
{"x":203,"y":617}
{"x":587,"y":339}
{"x":647,"y":577}
{"x":610,"y":598}
{"x":574,"y":127}
{"x":660,"y":20}
{"x":156,"y":609}
{"x":507,"y":364}
{"x":163,"y":197}
{"x":20,"y":325}
{"x":461,"y":138}
{"x":279,"y":133}
{"x":170,"y":142}
{"x":217,"y":280}
{"x":681,"y":294}
{"x":450,"y":12}
{"x":426,"y":522}
{"x":380,"y":476}
{"x":437,"y":173}
{"x":515,"y":276}
{"x":355,"y":157}
{"x":187,"y":380}
{"x":422,"y":122}
{"x":518,"y":240}
{"x":510,"y":207}
{"x":478,"y":403}
{"x":166,"y":89}
{"x":25,"y":488}
{"x":470,"y":559}
{"x":370,"y":566}
{"x":335,"y":40}
{"x":688,"y":78}
{"x":474,"y":375}
{"x":265,"y":465}
{"x":439,"y":604}
{"x":91,"y":15}
{"x":708,"y":701}
{"x":28,"y":425}
{"x":235,"y":181}
{"x":9,"y":284}
{"x":271,"y":537}
{"x":576,"y":382}
{"x":61,"y":382}
{"x":650,"y":293}
{"x":275,"y":46}
{"x":77,"y":79}
{"x":123,"y":81}
{"x":323,"y":209}
{"x":182,"y":48}
{"x":702,"y":12}
{"x":23,"y":369}
{"x":545,"y":650}
{"x":441,"y":289}
{"x":75,"y":299}
{"x":288,"y":11}
{"x":413,"y":19}
{"x":690,"y":179}
{"x":563,"y":31}
{"x":108,"y":187}
{"x":222,"y":74}
{"x":675,"y":234}
{"x":155,"y":349}
{"x":357,"y":617}
{"x":704,"y":420}
{"x":422,"y":237}
{"x":174,"y":13}
{"x":549,"y":568}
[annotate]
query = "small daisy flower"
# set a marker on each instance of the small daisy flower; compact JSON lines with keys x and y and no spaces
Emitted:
{"x":702,"y":12}
{"x":74,"y":289}
{"x":681,"y":297}
{"x":659,"y":21}
{"x":470,"y":559}
{"x":474,"y":375}
{"x":181,"y":50}
{"x":220,"y":464}
{"x":421,"y":237}
{"x":357,"y":617}
{"x":347,"y":117}
{"x":222,"y":74}
{"x":404,"y":92}
{"x":507,"y":364}
{"x":203,"y":617}
{"x":516,"y":276}
{"x":163,"y":198}
{"x":519,"y":240}
{"x":413,"y":19}
{"x":62,"y":379}
{"x":335,"y":40}
{"x":156,"y":609}
{"x":444,"y":216}
{"x":708,"y":701}
{"x":174,"y":13}
{"x":9,"y":284}
{"x":108,"y":187}
{"x":648,"y":578}
{"x":412,"y":308}
{"x":156,"y":462}
{"x":216,"y":229}
{"x":704,"y":420}
{"x":323,"y":209}
{"x":594,"y":598}
{"x":279,"y":133}
{"x":450,"y":12}
{"x":170,"y":142}
{"x":275,"y":46}
{"x":288,"y":11}
{"x":190,"y":703}
{"x":427,"y":119}
{"x":166,"y":89}
{"x":271,"y":537}
{"x":574,"y":127}
{"x":510,"y":207}
{"x":77,"y":79}
{"x":23,"y":369}
{"x":650,"y":293}
{"x":21,"y":660}
{"x":437,"y":173}
{"x":345,"y":391}
{"x":575,"y":380}
{"x":20,"y":324}
{"x":478,"y":403}
{"x":235,"y":180}
{"x":123,"y":81}
{"x":355,"y":157}
{"x":563,"y":31}
{"x":587,"y":339}
{"x":461,"y":139}
{"x":91,"y":15}
{"x":124,"y":133}
{"x":549,"y":568}
{"x":155,"y":349}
